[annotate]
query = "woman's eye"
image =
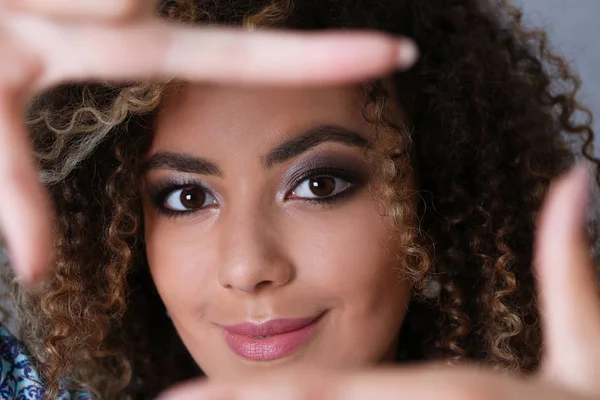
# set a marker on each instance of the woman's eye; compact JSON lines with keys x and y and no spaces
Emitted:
{"x":189,"y":199}
{"x":320,"y":187}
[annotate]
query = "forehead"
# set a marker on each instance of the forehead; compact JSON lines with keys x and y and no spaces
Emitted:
{"x":244,"y":117}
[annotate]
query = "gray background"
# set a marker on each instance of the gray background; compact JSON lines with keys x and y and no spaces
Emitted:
{"x":574,"y":31}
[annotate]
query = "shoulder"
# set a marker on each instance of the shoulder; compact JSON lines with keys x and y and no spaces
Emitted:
{"x":18,"y":377}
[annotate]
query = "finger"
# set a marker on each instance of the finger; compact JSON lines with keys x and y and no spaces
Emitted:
{"x":423,"y":383}
{"x":567,"y":285}
{"x":153,"y":50}
{"x":25,"y":216}
{"x":101,"y":10}
{"x":24,"y":207}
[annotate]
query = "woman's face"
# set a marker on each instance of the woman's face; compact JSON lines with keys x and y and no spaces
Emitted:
{"x":262,"y":235}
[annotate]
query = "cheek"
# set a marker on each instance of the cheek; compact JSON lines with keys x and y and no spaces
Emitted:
{"x":177,"y":258}
{"x":343,"y":256}
{"x":345,"y":264}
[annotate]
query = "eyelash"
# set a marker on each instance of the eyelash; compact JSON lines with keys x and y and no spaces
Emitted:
{"x":159,"y":194}
{"x":352,"y":180}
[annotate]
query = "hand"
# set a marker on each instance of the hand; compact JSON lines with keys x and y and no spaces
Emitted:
{"x":41,"y":46}
{"x":571,"y":321}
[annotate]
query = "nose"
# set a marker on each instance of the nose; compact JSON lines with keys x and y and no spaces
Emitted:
{"x":253,"y":259}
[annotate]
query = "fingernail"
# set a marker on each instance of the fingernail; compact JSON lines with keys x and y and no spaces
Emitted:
{"x":408,"y":53}
{"x":581,"y":176}
{"x":25,"y":272}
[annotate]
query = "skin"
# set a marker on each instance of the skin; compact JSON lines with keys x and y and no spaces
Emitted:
{"x":569,"y":296}
{"x":570,"y":308}
{"x":48,"y":42}
{"x":260,"y":251}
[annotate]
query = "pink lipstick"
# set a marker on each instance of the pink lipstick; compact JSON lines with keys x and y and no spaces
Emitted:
{"x":270,"y":340}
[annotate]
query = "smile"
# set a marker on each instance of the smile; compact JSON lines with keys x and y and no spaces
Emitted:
{"x":271,"y":340}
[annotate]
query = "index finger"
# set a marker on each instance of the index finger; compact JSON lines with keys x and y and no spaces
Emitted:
{"x":147,"y":50}
{"x":25,"y":216}
{"x":25,"y":212}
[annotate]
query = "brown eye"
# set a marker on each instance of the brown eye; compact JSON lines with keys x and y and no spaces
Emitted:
{"x":192,"y":198}
{"x":188,"y":199}
{"x":320,"y":187}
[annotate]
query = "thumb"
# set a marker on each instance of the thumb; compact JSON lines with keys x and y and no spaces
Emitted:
{"x":568,"y":292}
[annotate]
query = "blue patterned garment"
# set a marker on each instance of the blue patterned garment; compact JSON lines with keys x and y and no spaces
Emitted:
{"x":18,"y":379}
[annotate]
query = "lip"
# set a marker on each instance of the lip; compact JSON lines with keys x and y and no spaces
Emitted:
{"x":283,"y":337}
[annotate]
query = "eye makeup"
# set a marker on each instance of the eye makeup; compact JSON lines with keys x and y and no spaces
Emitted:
{"x":354,"y":171}
{"x":159,"y":192}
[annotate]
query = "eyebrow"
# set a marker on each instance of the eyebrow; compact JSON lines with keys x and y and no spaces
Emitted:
{"x":281,"y":153}
{"x":310,"y":139}
{"x":180,"y":162}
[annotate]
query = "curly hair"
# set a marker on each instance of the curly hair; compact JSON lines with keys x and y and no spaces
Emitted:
{"x":492,"y":119}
